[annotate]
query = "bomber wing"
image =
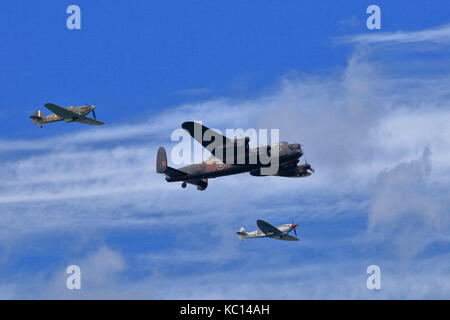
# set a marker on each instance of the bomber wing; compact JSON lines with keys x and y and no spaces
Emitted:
{"x":174,"y":173}
{"x":197,"y":131}
{"x":268,"y":229}
{"x":61,"y":112}
{"x":290,"y":165}
{"x":225,"y":149}
{"x":286,"y":168}
{"x":201,"y":184}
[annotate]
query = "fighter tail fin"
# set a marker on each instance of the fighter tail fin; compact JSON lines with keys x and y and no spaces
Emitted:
{"x":241,"y":233}
{"x":161,"y":160}
{"x":37,"y":116}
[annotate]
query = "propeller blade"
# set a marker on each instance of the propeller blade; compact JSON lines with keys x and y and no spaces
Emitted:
{"x":294,"y":226}
{"x":308,"y":165}
{"x":93,"y":113}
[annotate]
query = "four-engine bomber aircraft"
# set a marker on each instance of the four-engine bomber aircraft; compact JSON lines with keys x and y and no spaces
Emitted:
{"x":220,"y":165}
{"x":266,"y":230}
{"x":70,"y":114}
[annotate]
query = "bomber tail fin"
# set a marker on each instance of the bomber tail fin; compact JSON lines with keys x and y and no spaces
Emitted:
{"x":161,"y":160}
{"x":172,"y":174}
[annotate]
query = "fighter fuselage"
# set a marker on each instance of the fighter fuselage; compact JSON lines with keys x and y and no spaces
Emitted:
{"x":40,"y":119}
{"x":285,"y":228}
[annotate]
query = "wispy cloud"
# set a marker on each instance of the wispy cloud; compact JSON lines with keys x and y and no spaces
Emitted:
{"x":407,"y":209}
{"x":363,"y":130}
{"x":352,"y":124}
{"x":438,"y":35}
{"x":104,"y":271}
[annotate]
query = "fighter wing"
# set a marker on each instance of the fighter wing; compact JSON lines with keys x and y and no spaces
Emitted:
{"x":268,"y":229}
{"x":61,"y":112}
{"x":287,"y":237}
{"x":88,"y":120}
{"x":204,"y":135}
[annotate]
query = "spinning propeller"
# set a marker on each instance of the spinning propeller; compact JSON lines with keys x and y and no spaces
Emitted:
{"x":308,"y":166}
{"x":93,"y":110}
{"x":294,"y":226}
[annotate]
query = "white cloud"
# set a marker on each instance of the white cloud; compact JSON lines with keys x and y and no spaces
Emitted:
{"x":353,"y":123}
{"x":103,"y":273}
{"x":438,"y":35}
{"x":407,"y":208}
{"x":349,"y":124}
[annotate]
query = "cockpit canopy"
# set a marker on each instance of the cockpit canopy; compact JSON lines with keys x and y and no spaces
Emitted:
{"x":293,"y":146}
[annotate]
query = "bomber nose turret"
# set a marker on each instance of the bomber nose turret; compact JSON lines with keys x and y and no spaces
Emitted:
{"x":296,"y":148}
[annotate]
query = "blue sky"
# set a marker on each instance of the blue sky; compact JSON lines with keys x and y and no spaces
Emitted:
{"x":370,"y":107}
{"x":142,"y":57}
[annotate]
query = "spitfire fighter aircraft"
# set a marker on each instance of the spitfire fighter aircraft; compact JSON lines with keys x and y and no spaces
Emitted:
{"x":266,"y":230}
{"x":222,"y":165}
{"x":70,"y":114}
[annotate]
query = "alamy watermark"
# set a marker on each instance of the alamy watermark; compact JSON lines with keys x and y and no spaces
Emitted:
{"x":374,"y":280}
{"x":73,"y":21}
{"x":373,"y":22}
{"x":73,"y":281}
{"x":235,"y":146}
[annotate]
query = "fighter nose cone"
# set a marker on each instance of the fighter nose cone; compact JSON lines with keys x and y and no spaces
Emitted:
{"x":294,"y":225}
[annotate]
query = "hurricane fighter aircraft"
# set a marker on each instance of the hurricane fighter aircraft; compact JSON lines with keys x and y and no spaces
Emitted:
{"x":69,"y":114}
{"x":266,"y":230}
{"x":220,"y":164}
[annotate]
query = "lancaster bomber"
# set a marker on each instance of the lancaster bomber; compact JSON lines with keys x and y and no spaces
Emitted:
{"x":69,"y":114}
{"x":226,"y":160}
{"x":266,"y":230}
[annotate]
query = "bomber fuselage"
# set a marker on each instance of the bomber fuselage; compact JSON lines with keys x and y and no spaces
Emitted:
{"x":213,"y":167}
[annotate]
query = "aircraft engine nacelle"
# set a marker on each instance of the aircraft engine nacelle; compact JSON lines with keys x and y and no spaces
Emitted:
{"x":296,"y":172}
{"x":202,"y":185}
{"x":302,"y":170}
